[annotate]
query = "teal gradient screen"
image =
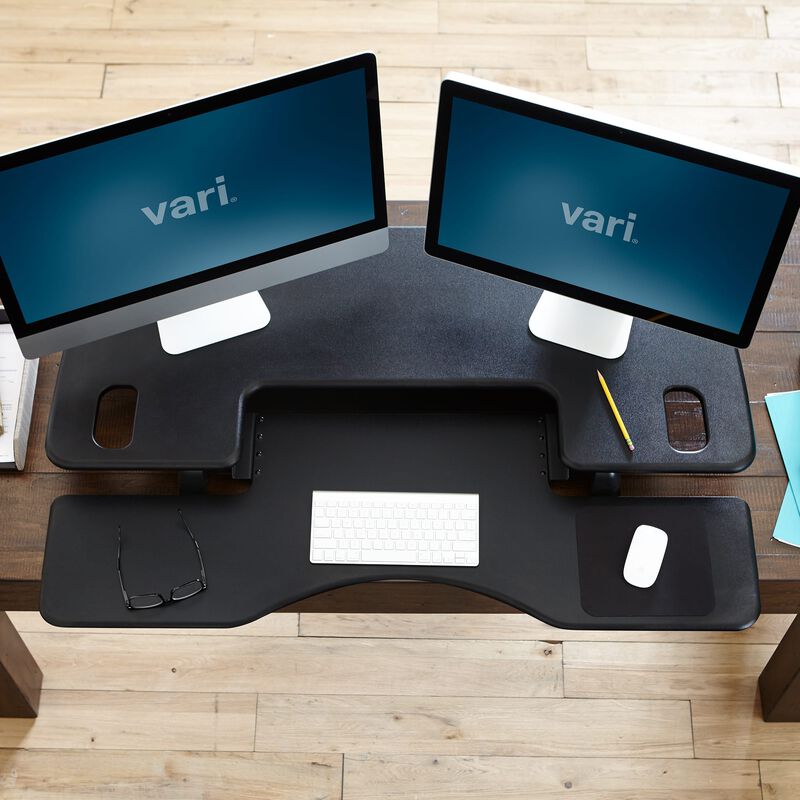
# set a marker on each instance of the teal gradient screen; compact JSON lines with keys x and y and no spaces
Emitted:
{"x":294,"y":165}
{"x":688,"y":240}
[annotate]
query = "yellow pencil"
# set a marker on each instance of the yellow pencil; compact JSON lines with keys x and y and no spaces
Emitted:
{"x":613,"y":405}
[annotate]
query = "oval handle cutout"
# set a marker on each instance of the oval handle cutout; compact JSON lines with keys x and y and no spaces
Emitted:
{"x":687,"y":431}
{"x":114,"y":418}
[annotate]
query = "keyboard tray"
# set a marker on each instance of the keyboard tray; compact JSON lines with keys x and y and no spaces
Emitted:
{"x":255,"y":544}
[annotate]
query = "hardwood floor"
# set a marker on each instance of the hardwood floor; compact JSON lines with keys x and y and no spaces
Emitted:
{"x":378,"y":706}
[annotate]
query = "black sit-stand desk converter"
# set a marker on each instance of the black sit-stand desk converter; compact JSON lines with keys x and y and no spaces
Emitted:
{"x":400,"y":373}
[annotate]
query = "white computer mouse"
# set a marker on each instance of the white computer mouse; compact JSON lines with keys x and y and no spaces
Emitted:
{"x":645,"y":556}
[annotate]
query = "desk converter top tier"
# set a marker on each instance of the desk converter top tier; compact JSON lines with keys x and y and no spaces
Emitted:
{"x":400,"y":318}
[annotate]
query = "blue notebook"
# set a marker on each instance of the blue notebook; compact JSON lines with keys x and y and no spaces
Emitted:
{"x":784,"y":413}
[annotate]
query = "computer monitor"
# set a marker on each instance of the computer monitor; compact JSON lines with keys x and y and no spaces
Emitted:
{"x":183,"y":209}
{"x":611,"y":217}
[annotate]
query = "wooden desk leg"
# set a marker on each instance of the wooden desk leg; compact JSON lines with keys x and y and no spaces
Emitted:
{"x":779,"y":683}
{"x":20,"y":676}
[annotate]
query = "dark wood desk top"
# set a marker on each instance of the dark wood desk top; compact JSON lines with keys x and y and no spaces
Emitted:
{"x":771,"y":364}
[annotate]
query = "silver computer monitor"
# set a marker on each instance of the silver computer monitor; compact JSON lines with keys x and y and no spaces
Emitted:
{"x":611,"y":217}
{"x":182,"y":215}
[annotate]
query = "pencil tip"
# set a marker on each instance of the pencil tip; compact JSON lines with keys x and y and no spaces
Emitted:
{"x":631,"y":448}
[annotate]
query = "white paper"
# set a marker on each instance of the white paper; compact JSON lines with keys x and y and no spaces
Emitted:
{"x":11,"y":364}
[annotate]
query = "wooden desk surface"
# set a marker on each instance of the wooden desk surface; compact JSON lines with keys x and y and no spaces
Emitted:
{"x":771,"y":364}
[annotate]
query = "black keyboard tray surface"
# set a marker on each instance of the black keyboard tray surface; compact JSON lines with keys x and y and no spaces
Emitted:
{"x":489,"y":440}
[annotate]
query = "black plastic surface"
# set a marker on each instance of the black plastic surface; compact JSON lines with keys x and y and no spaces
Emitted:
{"x":401,"y":318}
{"x":256,"y":545}
{"x":685,"y":584}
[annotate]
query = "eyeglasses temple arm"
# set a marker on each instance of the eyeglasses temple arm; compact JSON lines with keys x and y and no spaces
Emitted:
{"x":196,"y":547}
{"x":119,"y":566}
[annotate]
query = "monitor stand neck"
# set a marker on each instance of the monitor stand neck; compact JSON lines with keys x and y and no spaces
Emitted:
{"x":581,"y":326}
{"x":213,"y":323}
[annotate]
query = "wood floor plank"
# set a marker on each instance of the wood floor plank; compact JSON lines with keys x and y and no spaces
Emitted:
{"x":407,"y":169}
{"x":783,"y":20}
{"x":167,"y":775}
{"x":737,"y":127}
{"x":680,"y":2}
{"x":780,"y":779}
{"x":396,"y":777}
{"x":663,"y":670}
{"x":701,"y":54}
{"x":25,"y":122}
{"x":278,"y":624}
{"x":730,"y":729}
{"x":789,"y":83}
{"x":135,"y":721}
{"x":51,"y":80}
{"x":407,"y":187}
{"x":301,"y":666}
{"x":641,"y":87}
{"x":474,"y":726}
{"x":578,"y":19}
{"x":428,"y":50}
{"x":409,"y":16}
{"x":175,"y":82}
{"x":56,"y":14}
{"x":408,"y":132}
{"x":408,"y":129}
{"x":777,"y":152}
{"x":768,"y":630}
{"x":121,"y":47}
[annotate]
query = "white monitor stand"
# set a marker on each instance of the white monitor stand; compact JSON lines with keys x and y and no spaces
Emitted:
{"x":213,"y":323}
{"x":580,"y":325}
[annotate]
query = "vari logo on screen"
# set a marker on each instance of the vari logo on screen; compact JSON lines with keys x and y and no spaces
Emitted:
{"x":596,"y":222}
{"x":184,"y":205}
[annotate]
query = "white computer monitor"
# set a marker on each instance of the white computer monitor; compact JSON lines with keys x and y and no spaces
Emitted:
{"x":182,"y":215}
{"x":611,"y":217}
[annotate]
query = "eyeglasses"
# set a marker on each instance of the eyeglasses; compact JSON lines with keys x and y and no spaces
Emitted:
{"x":136,"y":602}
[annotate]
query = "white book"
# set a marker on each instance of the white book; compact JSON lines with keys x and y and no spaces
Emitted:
{"x":17,"y":388}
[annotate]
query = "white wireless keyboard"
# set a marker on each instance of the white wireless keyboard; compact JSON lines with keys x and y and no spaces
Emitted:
{"x":394,"y":528}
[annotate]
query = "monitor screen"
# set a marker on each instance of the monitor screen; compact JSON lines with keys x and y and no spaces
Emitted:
{"x":603,"y":214}
{"x":188,"y":194}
